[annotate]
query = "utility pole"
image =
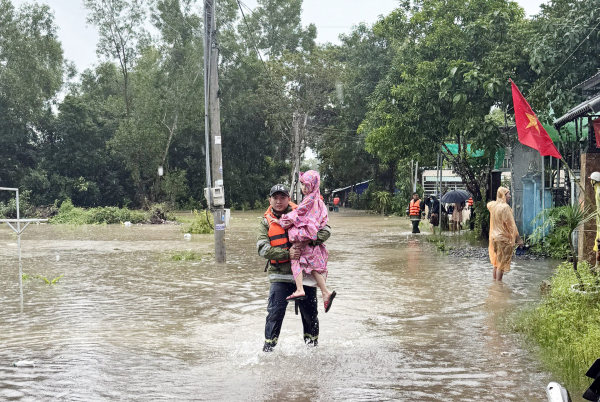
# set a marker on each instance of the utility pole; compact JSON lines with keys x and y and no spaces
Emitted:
{"x":295,"y":157}
{"x":216,"y":192}
{"x":300,"y":134}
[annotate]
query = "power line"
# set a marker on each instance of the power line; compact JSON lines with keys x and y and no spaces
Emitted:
{"x":561,"y":64}
{"x":254,"y":42}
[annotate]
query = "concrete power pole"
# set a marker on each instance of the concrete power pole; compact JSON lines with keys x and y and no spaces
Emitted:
{"x":295,"y":158}
{"x":218,"y":198}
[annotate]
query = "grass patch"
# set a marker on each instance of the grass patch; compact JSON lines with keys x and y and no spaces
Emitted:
{"x":48,"y":281}
{"x":565,"y":327}
{"x":202,"y":223}
{"x":439,"y":241}
{"x":185,"y":256}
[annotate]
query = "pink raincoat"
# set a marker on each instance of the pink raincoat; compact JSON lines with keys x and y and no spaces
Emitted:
{"x":304,"y":223}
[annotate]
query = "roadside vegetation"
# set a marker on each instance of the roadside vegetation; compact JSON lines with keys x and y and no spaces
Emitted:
{"x":201,"y":223}
{"x":553,"y":236}
{"x":187,"y":256}
{"x":72,"y":215}
{"x":564,"y":328}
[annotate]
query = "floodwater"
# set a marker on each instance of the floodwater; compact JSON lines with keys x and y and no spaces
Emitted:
{"x":125,"y":322}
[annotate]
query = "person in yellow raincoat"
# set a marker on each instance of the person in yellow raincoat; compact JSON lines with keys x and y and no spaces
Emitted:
{"x":503,"y":233}
{"x":595,"y":179}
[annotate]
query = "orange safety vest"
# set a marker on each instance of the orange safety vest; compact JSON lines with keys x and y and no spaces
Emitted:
{"x":415,"y":208}
{"x":277,"y":235}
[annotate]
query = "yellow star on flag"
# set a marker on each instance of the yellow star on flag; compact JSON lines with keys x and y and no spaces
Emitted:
{"x":533,"y":122}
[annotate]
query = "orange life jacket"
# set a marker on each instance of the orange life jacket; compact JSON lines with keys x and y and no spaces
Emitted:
{"x":336,"y":201}
{"x":415,"y":208}
{"x":277,"y":235}
{"x":471,"y":201}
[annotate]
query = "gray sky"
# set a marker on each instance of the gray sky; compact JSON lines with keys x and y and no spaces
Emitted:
{"x":332,"y":17}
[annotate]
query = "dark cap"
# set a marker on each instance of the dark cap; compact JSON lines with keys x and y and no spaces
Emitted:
{"x":279,"y":188}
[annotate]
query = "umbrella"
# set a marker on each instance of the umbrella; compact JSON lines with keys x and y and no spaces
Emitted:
{"x":455,"y":197}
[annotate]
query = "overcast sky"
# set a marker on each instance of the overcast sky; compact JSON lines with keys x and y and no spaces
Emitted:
{"x":332,"y":17}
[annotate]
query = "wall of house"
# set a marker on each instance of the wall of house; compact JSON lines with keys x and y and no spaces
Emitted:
{"x":525,"y":160}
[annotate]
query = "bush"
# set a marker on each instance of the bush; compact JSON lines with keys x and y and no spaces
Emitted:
{"x":564,"y":326}
{"x":560,"y":222}
{"x":399,"y":204}
{"x":69,"y":214}
{"x":353,"y":200}
{"x":382,"y":201}
{"x":261,"y":204}
{"x":482,"y":218}
{"x":8,"y":210}
{"x":556,"y":245}
{"x":202,"y":224}
{"x":72,"y":215}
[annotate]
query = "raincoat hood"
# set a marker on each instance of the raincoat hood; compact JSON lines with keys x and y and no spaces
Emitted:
{"x":312,"y":212}
{"x":501,"y":194}
{"x":311,"y":180}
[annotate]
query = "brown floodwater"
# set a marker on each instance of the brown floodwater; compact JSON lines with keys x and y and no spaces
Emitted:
{"x":126,"y":322}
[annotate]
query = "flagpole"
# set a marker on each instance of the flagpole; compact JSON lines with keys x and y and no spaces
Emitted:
{"x":543,"y":195}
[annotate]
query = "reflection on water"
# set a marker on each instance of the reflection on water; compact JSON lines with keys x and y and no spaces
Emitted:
{"x":126,"y":323}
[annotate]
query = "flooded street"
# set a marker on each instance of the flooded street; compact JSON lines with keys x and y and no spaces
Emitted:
{"x":125,"y":322}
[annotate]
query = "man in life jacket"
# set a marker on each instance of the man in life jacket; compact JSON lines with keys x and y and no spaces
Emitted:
{"x":274,"y":245}
{"x":414,"y":212}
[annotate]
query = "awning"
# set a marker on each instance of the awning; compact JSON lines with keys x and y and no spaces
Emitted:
{"x":339,"y":190}
{"x":454,"y":149}
{"x":589,"y":106}
{"x":567,"y":131}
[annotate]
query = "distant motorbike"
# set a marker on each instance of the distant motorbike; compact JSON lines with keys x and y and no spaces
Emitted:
{"x":557,"y":393}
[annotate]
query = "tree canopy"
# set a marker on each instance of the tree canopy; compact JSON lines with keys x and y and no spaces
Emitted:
{"x":429,"y":73}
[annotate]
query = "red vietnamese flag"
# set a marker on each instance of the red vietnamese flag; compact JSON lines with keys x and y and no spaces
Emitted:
{"x":529,"y":128}
{"x":596,"y":125}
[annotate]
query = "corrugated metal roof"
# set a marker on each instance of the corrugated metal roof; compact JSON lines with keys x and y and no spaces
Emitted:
{"x":590,"y":82}
{"x":589,"y":106}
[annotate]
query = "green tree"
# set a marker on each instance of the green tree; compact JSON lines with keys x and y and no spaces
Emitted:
{"x":564,"y":50}
{"x":120,"y":25}
{"x":452,"y":61}
{"x":73,"y":159}
{"x":366,"y":59}
{"x":278,"y":27}
{"x":31,"y":73}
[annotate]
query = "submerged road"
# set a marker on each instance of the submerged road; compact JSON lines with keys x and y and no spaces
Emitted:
{"x":128,"y":323}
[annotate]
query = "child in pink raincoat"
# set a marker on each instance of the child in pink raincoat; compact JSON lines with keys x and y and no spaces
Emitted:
{"x":303,"y":223}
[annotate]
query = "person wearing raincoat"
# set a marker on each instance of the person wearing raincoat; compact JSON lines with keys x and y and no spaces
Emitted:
{"x":503,"y":233}
{"x":303,"y":224}
{"x":595,"y":179}
{"x":273,"y":244}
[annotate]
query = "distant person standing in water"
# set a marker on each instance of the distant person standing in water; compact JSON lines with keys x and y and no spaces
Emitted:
{"x":503,"y":233}
{"x":414,"y":212}
{"x":433,"y":206}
